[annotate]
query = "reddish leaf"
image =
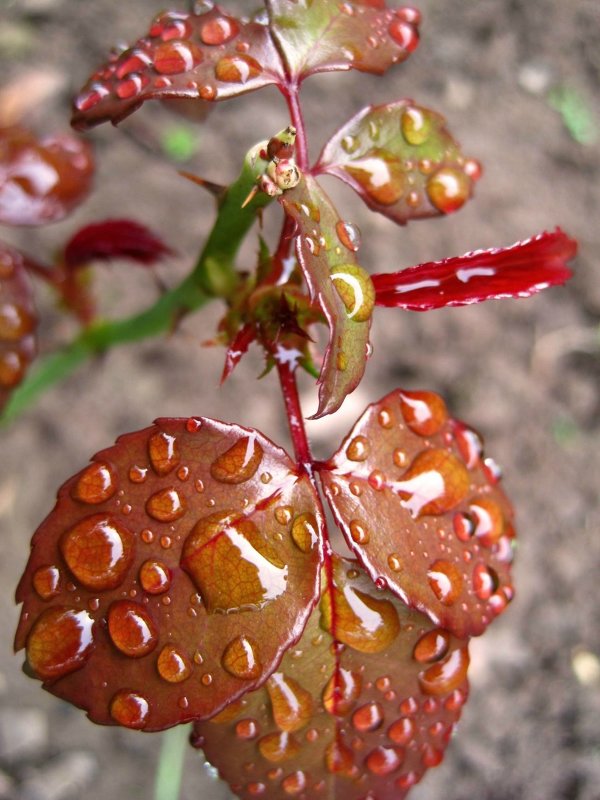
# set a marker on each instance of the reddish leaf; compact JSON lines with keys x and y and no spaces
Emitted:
{"x":420,"y":507}
{"x":210,"y":56}
{"x":18,"y":321}
{"x":114,"y":238}
{"x":42,"y":180}
{"x":363,"y":709}
{"x":172,"y":575}
{"x":402,"y":161}
{"x":237,"y":349}
{"x":326,"y":247}
{"x":517,"y":271}
{"x":332,"y":35}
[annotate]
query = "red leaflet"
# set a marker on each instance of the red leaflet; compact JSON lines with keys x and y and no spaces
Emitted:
{"x":521,"y":270}
{"x":114,"y":238}
{"x":238,"y":347}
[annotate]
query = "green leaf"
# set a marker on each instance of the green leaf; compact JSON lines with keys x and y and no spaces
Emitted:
{"x":324,"y":35}
{"x":343,"y":289}
{"x":364,"y":703}
{"x":172,"y":574}
{"x":422,"y":509}
{"x":402,"y":161}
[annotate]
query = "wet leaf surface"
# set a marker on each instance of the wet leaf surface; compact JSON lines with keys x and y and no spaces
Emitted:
{"x":521,"y":270}
{"x":421,"y":508}
{"x":332,"y":35}
{"x":172,"y":575}
{"x":403,"y":162}
{"x":362,"y":706}
{"x":42,"y":180}
{"x":326,"y":247}
{"x":18,"y":321}
{"x":114,"y":238}
{"x":210,"y":56}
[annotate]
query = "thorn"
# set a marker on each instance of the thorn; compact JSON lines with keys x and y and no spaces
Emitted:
{"x":250,"y":197}
{"x":212,"y":188}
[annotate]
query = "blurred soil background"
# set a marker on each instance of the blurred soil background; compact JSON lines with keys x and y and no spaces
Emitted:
{"x":518,"y":82}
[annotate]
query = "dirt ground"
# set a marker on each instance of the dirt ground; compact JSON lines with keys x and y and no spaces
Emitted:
{"x":525,"y":373}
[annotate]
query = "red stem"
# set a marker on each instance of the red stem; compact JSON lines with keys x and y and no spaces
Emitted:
{"x":290,"y":92}
{"x":293,"y":410}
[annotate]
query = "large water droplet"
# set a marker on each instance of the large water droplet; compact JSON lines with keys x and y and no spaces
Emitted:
{"x":292,"y":705}
{"x":219,"y":30}
{"x":435,"y":483}
{"x":384,"y":760}
{"x":132,"y":61}
{"x":416,"y":125}
{"x":432,"y":646}
{"x":446,"y":675}
{"x":155,"y":577}
{"x":164,"y":452}
{"x":239,"y":463}
{"x":305,"y":532}
{"x":131,"y":629}
{"x":98,"y":551}
{"x":341,"y":692}
{"x":363,"y":622}
{"x":349,"y":235}
{"x":96,"y":484}
{"x":175,"y":57}
{"x":173,"y":664}
{"x":280,"y":746}
{"x":237,"y":69}
{"x":380,"y":176}
{"x":167,"y":505}
{"x":59,"y":642}
{"x":368,"y":717}
{"x":446,"y":581}
{"x":448,"y":189}
{"x":424,"y":412}
{"x":358,"y":449}
{"x":130,"y":709}
{"x":233,"y":564}
{"x":46,"y":582}
{"x":404,"y":33}
{"x":355,"y":288}
{"x":489,"y":520}
{"x":241,"y":659}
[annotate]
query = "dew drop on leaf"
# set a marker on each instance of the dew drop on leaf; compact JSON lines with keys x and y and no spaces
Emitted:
{"x":358,"y":449}
{"x":130,"y":709}
{"x":305,"y":532}
{"x":167,"y":505}
{"x":416,"y":125}
{"x":294,"y":783}
{"x":96,"y":484}
{"x":98,"y":551}
{"x":241,"y":659}
{"x":46,"y":582}
{"x":446,"y":581}
{"x":59,"y":642}
{"x":237,"y":69}
{"x":349,"y":235}
{"x":432,"y":646}
{"x":15,"y":321}
{"x":365,"y":623}
{"x":485,"y":581}
{"x":276,"y":747}
{"x":382,"y":179}
{"x":292,"y":705}
{"x":384,"y":760}
{"x":368,"y":717}
{"x":239,"y":463}
{"x":448,"y":189}
{"x":402,"y":731}
{"x":424,"y":412}
{"x":163,"y":452}
{"x":435,"y":482}
{"x":246,"y":729}
{"x":175,"y":57}
{"x":155,"y":577}
{"x":173,"y":664}
{"x":339,"y":759}
{"x":131,"y":629}
{"x":219,"y":30}
{"x":446,"y":675}
{"x":341,"y":692}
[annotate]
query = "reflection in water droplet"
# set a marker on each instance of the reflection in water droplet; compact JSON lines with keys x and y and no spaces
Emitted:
{"x":167,"y":505}
{"x":46,"y":582}
{"x":292,"y":705}
{"x":432,"y":646}
{"x":98,"y":551}
{"x":305,"y":532}
{"x":368,"y":717}
{"x":385,"y":418}
{"x":280,"y":746}
{"x":469,"y":444}
{"x":173,"y":664}
{"x":241,"y":659}
{"x":404,"y":33}
{"x":448,"y":189}
{"x":341,"y":692}
{"x":138,"y":474}
{"x":355,"y":288}
{"x":131,"y":629}
{"x":363,"y":622}
{"x":435,"y":483}
{"x":284,"y":514}
{"x":237,"y":69}
{"x":129,"y":709}
{"x":446,"y":581}
{"x":463,"y":526}
{"x":239,"y":463}
{"x":350,"y":144}
{"x":59,"y":642}
{"x":446,"y":675}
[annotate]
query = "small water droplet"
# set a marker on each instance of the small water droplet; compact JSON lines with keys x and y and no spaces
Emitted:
{"x":385,"y":418}
{"x":341,"y":692}
{"x":359,"y":533}
{"x":167,"y":505}
{"x":368,"y":717}
{"x":470,"y":445}
{"x":424,"y":412}
{"x":219,"y":30}
{"x":206,"y":679}
{"x":46,"y":582}
{"x":485,"y":581}
{"x":155,"y":577}
{"x":400,"y":458}
{"x":380,"y":176}
{"x":246,"y":729}
{"x":365,"y":623}
{"x":350,"y":144}
{"x":279,"y":746}
{"x":292,"y":705}
{"x":473,"y":169}
{"x":435,"y":482}
{"x":404,"y":33}
{"x":446,"y":675}
{"x":339,"y":758}
{"x":173,"y":664}
{"x":164,"y":452}
{"x":402,"y":731}
{"x":489,"y":520}
{"x":59,"y":642}
{"x":446,"y":581}
{"x":147,"y":536}
{"x":464,"y":526}
{"x":15,"y":322}
{"x":358,"y":449}
{"x":284,"y":514}
{"x":241,"y":659}
{"x":98,"y":551}
{"x":239,"y":463}
{"x":349,"y":235}
{"x":131,"y":629}
{"x":448,"y":189}
{"x":416,"y":125}
{"x":294,"y":783}
{"x":138,"y":474}
{"x":97,"y":483}
{"x":384,"y":760}
{"x":130,"y":709}
{"x":432,"y":646}
{"x":395,"y":562}
{"x":305,"y":532}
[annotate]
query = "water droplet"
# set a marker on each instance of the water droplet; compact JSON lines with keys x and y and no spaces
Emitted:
{"x":489,"y":520}
{"x":402,"y":731}
{"x":349,"y":235}
{"x":485,"y":581}
{"x":175,"y":57}
{"x":339,"y":759}
{"x":164,"y":452}
{"x":147,"y":536}
{"x":59,"y":642}
{"x":246,"y":729}
{"x":395,"y":562}
{"x":183,"y":473}
{"x":96,"y":484}
{"x":98,"y":551}
{"x":432,"y":646}
{"x":173,"y":664}
{"x":239,"y":463}
{"x":88,"y":99}
{"x":165,"y":542}
{"x":155,"y":577}
{"x":131,"y":629}
{"x":294,"y":783}
{"x":446,"y":675}
{"x":132,"y":61}
{"x":445,"y":581}
{"x":416,"y":125}
{"x":363,"y":622}
{"x":384,"y":760}
{"x":380,"y":176}
{"x":219,"y":30}
{"x":350,"y":144}
{"x":305,"y":532}
{"x":435,"y":483}
{"x":376,"y":480}
{"x":15,"y":322}
{"x":129,"y":709}
{"x":341,"y":692}
{"x":237,"y":69}
{"x":46,"y":582}
{"x":464,"y":527}
{"x":424,"y":412}
{"x":448,"y":189}
{"x":368,"y":717}
{"x":359,"y":533}
{"x":385,"y":418}
{"x":431,"y":756}
{"x":280,"y":746}
{"x":404,"y":34}
{"x":358,"y":449}
{"x":284,"y":514}
{"x":266,"y":478}
{"x":131,"y":86}
{"x":233,"y":564}
{"x":473,"y":169}
{"x":167,"y":505}
{"x":12,"y":368}
{"x":469,"y":445}
{"x":492,"y":470}
{"x":241,"y":659}
{"x":138,"y":474}
{"x":292,"y":705}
